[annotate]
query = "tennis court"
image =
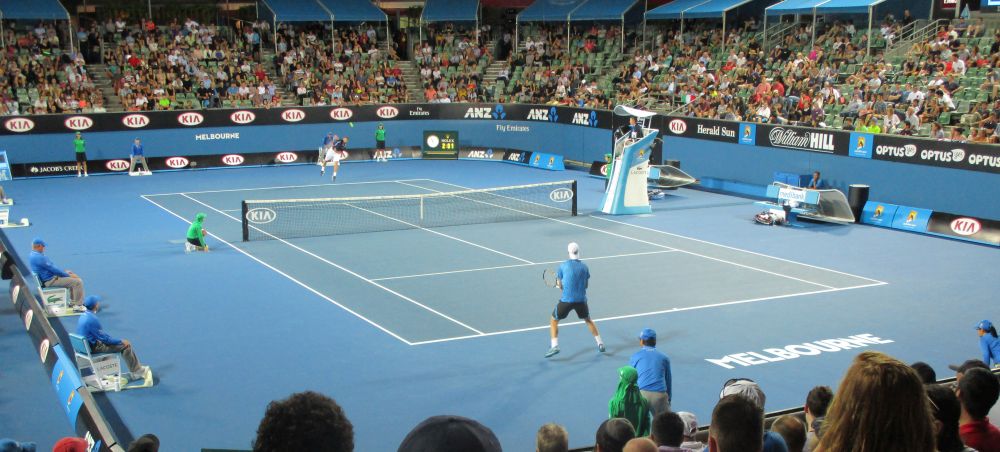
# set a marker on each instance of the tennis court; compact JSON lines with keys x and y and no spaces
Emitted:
{"x":405,"y":323}
{"x":394,"y":279}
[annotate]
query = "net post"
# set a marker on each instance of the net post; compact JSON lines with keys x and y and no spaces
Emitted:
{"x":574,"y":198}
{"x":246,"y":225}
{"x":421,"y":209}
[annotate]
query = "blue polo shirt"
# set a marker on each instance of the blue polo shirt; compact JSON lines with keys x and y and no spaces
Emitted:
{"x":136,"y":150}
{"x":43,"y":267}
{"x":991,"y":349}
{"x":654,"y":370}
{"x":574,"y":275}
{"x":90,"y":328}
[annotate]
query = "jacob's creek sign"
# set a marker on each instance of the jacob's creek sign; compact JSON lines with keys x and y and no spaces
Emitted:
{"x":794,"y":351}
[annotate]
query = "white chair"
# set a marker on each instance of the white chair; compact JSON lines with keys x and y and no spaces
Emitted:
{"x":55,"y":300}
{"x":105,"y":369}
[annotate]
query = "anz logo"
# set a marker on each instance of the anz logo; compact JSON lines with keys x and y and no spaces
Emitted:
{"x":541,"y":114}
{"x":585,"y":119}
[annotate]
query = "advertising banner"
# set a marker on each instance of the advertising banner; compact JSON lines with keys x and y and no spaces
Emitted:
{"x":879,"y":214}
{"x":965,"y":228}
{"x":911,"y":219}
{"x":948,"y":154}
{"x":180,"y":119}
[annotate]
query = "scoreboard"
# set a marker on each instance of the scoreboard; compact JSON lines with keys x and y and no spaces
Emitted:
{"x":440,"y":144}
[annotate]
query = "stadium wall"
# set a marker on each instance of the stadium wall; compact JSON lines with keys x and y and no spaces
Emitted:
{"x":945,"y":189}
{"x":946,"y":176}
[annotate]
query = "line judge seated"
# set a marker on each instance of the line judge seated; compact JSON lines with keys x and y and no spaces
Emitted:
{"x":101,"y":342}
{"x":51,"y":276}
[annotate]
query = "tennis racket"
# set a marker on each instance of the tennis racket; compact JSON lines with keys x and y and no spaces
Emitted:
{"x":549,"y":277}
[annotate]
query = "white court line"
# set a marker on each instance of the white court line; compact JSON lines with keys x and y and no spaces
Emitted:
{"x":650,"y":243}
{"x":644,"y":314}
{"x":439,"y":233}
{"x":543,"y":216}
{"x":740,"y":249}
{"x":341,"y":267}
{"x":286,"y":186}
{"x":286,"y":275}
{"x":499,"y":267}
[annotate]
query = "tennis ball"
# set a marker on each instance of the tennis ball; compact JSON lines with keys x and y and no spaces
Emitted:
{"x":350,"y":124}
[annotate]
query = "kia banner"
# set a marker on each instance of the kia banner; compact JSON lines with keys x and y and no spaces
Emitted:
{"x":965,"y":227}
{"x":113,"y":122}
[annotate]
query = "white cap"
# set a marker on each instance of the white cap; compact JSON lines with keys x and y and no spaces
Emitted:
{"x":690,"y":423}
{"x":574,"y":250}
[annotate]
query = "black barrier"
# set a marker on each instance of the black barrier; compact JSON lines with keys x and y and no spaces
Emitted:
{"x":948,"y":154}
{"x":206,"y":161}
{"x":80,"y":407}
{"x":965,"y":227}
{"x":111,"y":122}
{"x":967,"y":156}
{"x":599,"y":168}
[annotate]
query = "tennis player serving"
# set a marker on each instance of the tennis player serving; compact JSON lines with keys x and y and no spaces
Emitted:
{"x":334,"y":154}
{"x":572,"y":278}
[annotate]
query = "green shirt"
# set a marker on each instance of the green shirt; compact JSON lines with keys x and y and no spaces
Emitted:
{"x":380,"y":134}
{"x":79,"y":145}
{"x":194,"y":232}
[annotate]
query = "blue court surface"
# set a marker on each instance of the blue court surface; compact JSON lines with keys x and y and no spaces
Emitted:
{"x":401,"y":325}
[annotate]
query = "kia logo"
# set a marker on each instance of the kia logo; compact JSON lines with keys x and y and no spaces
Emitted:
{"x":135,"y":121}
{"x":561,"y":195}
{"x":966,"y":226}
{"x":177,"y":162}
{"x":261,"y":215}
{"x":243,"y":117}
{"x":190,"y":119}
{"x":387,"y":112}
{"x":232,"y":159}
{"x":341,"y":114}
{"x":78,"y":123}
{"x":678,"y":127}
{"x":19,"y":125}
{"x":604,"y":169}
{"x":287,"y":157}
{"x":293,"y":115}
{"x":117,"y":165}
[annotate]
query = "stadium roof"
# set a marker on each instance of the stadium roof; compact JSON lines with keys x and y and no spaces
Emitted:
{"x":674,"y":10}
{"x":713,"y":9}
{"x":35,"y":9}
{"x":549,"y":10}
{"x":451,"y":11}
{"x":297,"y":11}
{"x":602,"y":10}
{"x":354,"y":11}
{"x":821,"y":7}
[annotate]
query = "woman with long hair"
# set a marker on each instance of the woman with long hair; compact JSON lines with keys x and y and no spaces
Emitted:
{"x":881,"y":406}
{"x":989,"y":343}
{"x":629,"y":403}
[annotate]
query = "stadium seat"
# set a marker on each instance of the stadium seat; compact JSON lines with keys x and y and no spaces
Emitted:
{"x":104,"y":369}
{"x":55,"y":300}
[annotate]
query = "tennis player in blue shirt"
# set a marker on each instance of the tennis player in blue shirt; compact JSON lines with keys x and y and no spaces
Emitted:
{"x":572,"y":278}
{"x":655,"y":382}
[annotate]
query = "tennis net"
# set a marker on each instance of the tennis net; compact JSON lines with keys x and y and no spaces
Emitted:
{"x":295,"y":218}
